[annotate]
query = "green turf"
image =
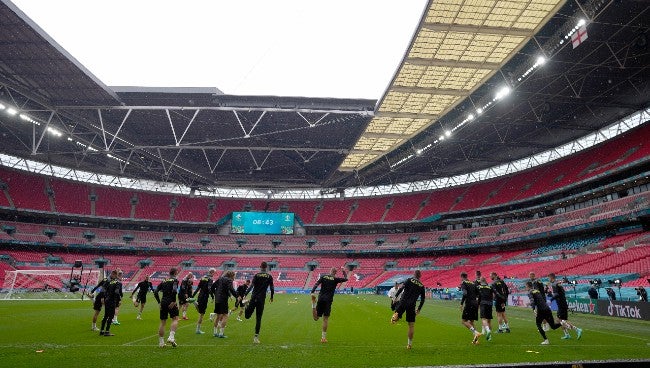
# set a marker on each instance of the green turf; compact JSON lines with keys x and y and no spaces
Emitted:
{"x":359,"y":336}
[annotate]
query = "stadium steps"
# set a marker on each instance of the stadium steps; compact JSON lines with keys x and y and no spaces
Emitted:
{"x":373,"y":282}
{"x":308,"y":280}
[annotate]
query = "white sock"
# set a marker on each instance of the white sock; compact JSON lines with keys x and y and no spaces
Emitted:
{"x":323,"y":335}
{"x":215,"y":330}
{"x":198,"y":326}
{"x":487,"y":329}
{"x":161,"y":340}
{"x":410,"y":341}
{"x":472,"y":330}
{"x":221,"y":331}
{"x":171,"y":335}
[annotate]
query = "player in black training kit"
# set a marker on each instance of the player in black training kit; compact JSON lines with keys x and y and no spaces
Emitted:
{"x":469,"y":305}
{"x":541,"y":309}
{"x":184,"y":293}
{"x":168,"y":307}
{"x":142,"y":288}
{"x":222,"y":289}
{"x":323,"y":307}
{"x":412,"y":290}
{"x":485,"y":300}
{"x":501,"y":293}
{"x":538,"y":285}
{"x":261,"y":282}
{"x":559,"y":295}
{"x":204,"y":290}
{"x":98,"y":301}
{"x":112,"y":299}
{"x":240,"y":303}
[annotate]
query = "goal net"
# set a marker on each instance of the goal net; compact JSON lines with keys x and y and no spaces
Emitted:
{"x":48,"y":284}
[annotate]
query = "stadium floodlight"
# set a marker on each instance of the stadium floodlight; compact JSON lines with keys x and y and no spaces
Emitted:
{"x":12,"y":111}
{"x":581,"y":22}
{"x":2,"y":107}
{"x":441,"y":138}
{"x":503,"y":92}
{"x":470,"y":116}
{"x":447,"y":133}
{"x":479,"y":111}
{"x":540,"y":61}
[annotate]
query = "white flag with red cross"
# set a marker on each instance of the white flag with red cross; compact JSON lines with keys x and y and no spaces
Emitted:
{"x":579,"y":36}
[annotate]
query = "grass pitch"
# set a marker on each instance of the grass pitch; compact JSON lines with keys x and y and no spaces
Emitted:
{"x":57,"y":334}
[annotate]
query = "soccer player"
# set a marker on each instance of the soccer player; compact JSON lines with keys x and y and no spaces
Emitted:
{"x":240,"y":303}
{"x":469,"y":306}
{"x":559,"y":296}
{"x":168,"y":307}
{"x":142,"y":288}
{"x":262,"y":281}
{"x":323,"y":307}
{"x":222,"y":289}
{"x":112,"y":299}
{"x":117,"y":308}
{"x":485,"y":300}
{"x":541,"y":309}
{"x":98,"y":302}
{"x":204,"y":290}
{"x":184,"y":293}
{"x":537,"y":284}
{"x":477,"y":282}
{"x":411,"y":291}
{"x":501,"y":293}
{"x":392,"y":294}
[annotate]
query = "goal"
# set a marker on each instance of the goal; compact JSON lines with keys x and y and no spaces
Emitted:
{"x":48,"y":284}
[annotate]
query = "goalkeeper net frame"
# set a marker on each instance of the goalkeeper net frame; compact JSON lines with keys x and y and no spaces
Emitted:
{"x":54,"y":284}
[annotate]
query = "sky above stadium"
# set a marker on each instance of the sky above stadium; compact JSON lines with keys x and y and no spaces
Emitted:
{"x":326,"y":48}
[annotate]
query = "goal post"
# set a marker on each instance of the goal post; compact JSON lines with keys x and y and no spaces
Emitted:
{"x":47,"y":284}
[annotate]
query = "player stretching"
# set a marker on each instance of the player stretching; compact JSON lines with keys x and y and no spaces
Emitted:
{"x":222,"y":289}
{"x":539,"y":285}
{"x":185,"y":293}
{"x":112,"y":299}
{"x":541,"y":309}
{"x":412,"y":290}
{"x":203,"y":289}
{"x":98,"y":301}
{"x":168,"y":307}
{"x":469,"y":305}
{"x":240,"y":303}
{"x":142,"y":288}
{"x":562,"y":307}
{"x":500,"y":300}
{"x":261,"y":282}
{"x":325,"y":298}
{"x":485,"y":300}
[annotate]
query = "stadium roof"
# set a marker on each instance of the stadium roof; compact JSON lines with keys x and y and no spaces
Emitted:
{"x":200,"y":137}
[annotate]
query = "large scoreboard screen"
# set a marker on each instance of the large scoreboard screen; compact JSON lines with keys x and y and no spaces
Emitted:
{"x":262,"y":223}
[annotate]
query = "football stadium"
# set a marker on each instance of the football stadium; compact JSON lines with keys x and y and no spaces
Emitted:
{"x":490,"y":208}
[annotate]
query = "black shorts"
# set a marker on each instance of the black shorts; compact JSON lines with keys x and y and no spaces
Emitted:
{"x":166,"y":311}
{"x":470,"y":312}
{"x":182,"y":299}
{"x":142,"y":299}
{"x":221,"y":308}
{"x":393,"y":305}
{"x":408,"y":308}
{"x":486,"y":311}
{"x":500,"y":306}
{"x":202,"y":305}
{"x":323,"y":308}
{"x":97,"y":304}
{"x":563,"y":312}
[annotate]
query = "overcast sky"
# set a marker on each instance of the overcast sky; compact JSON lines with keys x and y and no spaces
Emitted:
{"x":330,"y":48}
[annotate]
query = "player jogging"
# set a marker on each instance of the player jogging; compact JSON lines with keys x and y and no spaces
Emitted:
{"x":204,"y":291}
{"x":142,"y":288}
{"x":392,"y":295}
{"x":185,"y":293}
{"x":222,"y":289}
{"x":168,"y":307}
{"x":469,"y":306}
{"x":262,"y":281}
{"x":559,"y":296}
{"x":112,"y":299}
{"x":485,"y":300}
{"x":542,"y":310}
{"x":98,"y":301}
{"x":501,"y":293}
{"x":411,"y":291}
{"x":323,"y":306}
